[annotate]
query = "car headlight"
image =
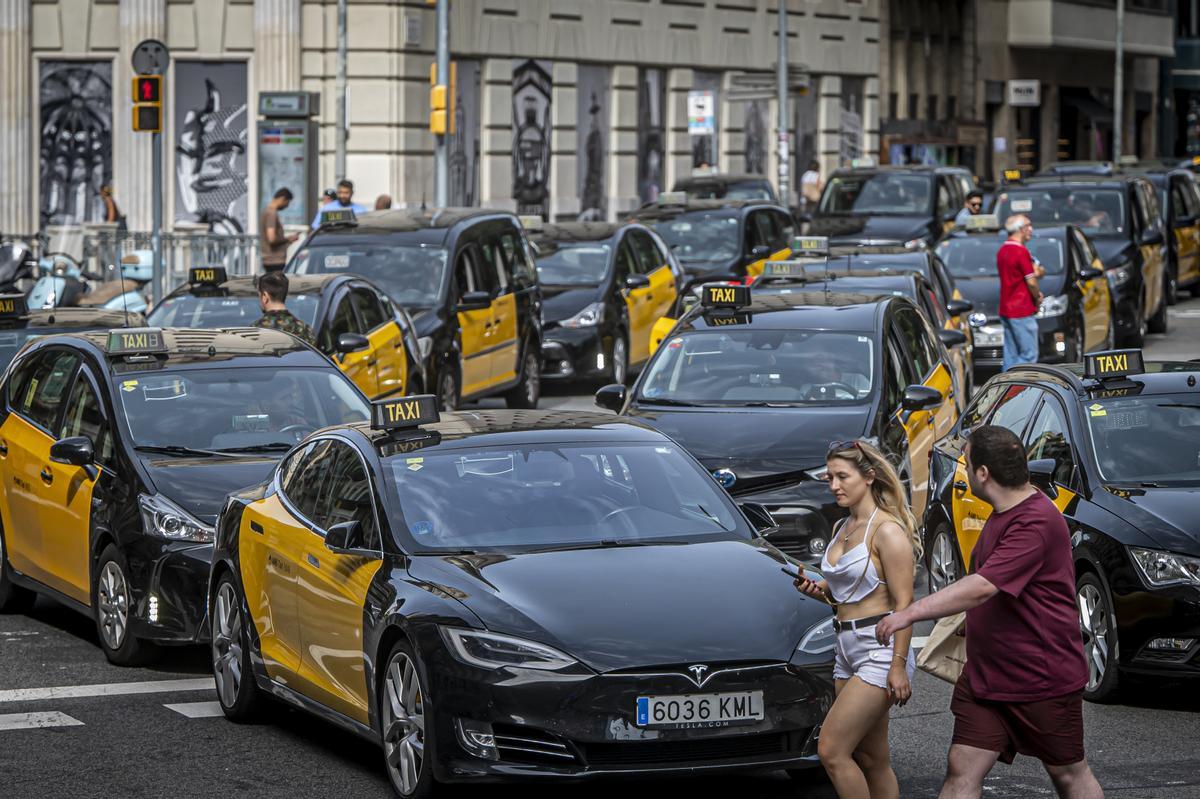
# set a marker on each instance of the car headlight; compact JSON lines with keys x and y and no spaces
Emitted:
{"x":821,"y":473}
{"x":915,"y":244}
{"x":977,"y":319}
{"x":494,"y":651}
{"x":819,"y":639}
{"x":1120,"y":274}
{"x":590,"y":316}
{"x":163,"y":518}
{"x":1054,"y":305}
{"x":1160,"y":568}
{"x":425,"y":345}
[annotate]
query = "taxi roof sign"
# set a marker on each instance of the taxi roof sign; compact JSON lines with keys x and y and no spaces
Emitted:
{"x":136,"y":341}
{"x":13,"y":305}
{"x":404,"y":413}
{"x":338,"y":216}
{"x":1012,"y":174}
{"x":982,"y":222}
{"x":531,"y":221}
{"x":673,"y":198}
{"x":724,"y":296}
{"x":811,"y":245}
{"x":207,"y":275}
{"x":1113,"y":364}
{"x":786,"y":268}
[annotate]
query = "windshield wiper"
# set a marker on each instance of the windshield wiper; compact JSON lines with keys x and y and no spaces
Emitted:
{"x":177,"y":450}
{"x":275,"y":446}
{"x":666,"y":401}
{"x":609,"y":543}
{"x":766,"y":404}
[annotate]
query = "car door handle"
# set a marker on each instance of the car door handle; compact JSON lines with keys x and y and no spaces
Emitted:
{"x":312,"y":560}
{"x":47,"y":476}
{"x":373,"y":363}
{"x":3,"y":449}
{"x":960,"y":485}
{"x":255,"y":527}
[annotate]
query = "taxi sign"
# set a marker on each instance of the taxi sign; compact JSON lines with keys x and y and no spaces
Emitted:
{"x":530,"y":221}
{"x":784,"y":269}
{"x":404,"y":413}
{"x":982,"y":222}
{"x":207,"y":275}
{"x":1012,"y":174}
{"x":811,"y":245}
{"x":1113,"y":363}
{"x":13,"y":305}
{"x":338,"y":216}
{"x":722,"y":296}
{"x":673,"y":198}
{"x":1196,"y":160}
{"x":136,"y":341}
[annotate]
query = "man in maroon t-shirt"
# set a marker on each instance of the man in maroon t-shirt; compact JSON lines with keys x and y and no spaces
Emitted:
{"x":1021,"y":690}
{"x":1020,"y":296}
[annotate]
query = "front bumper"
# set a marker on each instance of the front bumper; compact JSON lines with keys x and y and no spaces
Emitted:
{"x":1144,"y":616}
{"x":575,"y":354}
{"x":989,"y":343}
{"x":169,"y":587}
{"x":1127,"y":310}
{"x":805,"y":511}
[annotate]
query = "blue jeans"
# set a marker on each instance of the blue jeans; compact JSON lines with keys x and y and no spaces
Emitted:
{"x":1020,"y":341}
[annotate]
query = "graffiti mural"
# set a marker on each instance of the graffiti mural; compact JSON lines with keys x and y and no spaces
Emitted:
{"x":756,"y":138}
{"x":76,"y":140}
{"x":651,"y":133}
{"x":464,"y":139}
{"x":591,"y":126}
{"x":211,"y":173}
{"x":531,"y":136}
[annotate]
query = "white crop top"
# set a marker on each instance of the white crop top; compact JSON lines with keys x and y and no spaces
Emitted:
{"x":850,"y":580}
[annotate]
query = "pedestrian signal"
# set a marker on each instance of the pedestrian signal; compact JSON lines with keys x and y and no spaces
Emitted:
{"x":147,"y":103}
{"x":147,"y":118}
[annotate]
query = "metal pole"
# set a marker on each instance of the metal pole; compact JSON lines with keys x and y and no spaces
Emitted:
{"x":156,"y":285}
{"x":1119,"y":84}
{"x":781,"y":75}
{"x":441,"y":160}
{"x":340,"y":152}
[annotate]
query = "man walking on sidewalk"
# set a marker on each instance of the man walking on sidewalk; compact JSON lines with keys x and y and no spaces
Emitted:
{"x":1020,"y":296}
{"x":1021,"y":690}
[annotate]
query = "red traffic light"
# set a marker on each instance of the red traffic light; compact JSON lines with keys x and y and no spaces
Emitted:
{"x":147,"y":89}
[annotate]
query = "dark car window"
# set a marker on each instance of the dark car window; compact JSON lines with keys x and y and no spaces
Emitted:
{"x":980,"y":406}
{"x":787,"y":228}
{"x":1015,"y":407}
{"x":702,"y":236}
{"x":897,"y":375}
{"x":880,"y":193}
{"x":341,"y":321}
{"x":1096,"y":209}
{"x":647,"y":254}
{"x":347,"y":495}
{"x":574,"y":263}
{"x":917,"y":340}
{"x":494,"y":262}
{"x":370,"y":309}
{"x":764,"y":231}
{"x":85,"y":418}
{"x":627,"y":261}
{"x":303,"y":478}
{"x":944,"y":198}
{"x":1150,"y":201}
{"x":1182,"y":209}
{"x":1147,"y":439}
{"x":1049,"y":437}
{"x":38,"y":388}
{"x":975,"y":256}
{"x":409,"y":272}
{"x":466,"y":275}
{"x":522,"y":268}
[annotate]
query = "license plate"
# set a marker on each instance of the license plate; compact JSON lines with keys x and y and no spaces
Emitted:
{"x":700,"y":710}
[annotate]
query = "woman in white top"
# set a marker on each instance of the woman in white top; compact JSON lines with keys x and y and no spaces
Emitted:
{"x":868,"y":570}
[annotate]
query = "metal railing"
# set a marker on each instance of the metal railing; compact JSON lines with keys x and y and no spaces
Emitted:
{"x":239,"y":254}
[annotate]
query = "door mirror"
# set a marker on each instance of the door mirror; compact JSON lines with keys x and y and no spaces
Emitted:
{"x":761,"y":251}
{"x":474,"y":301}
{"x":1090,"y":273}
{"x":959,"y":307}
{"x":346,"y":538}
{"x":74,"y":450}
{"x":1151,"y":237}
{"x":760,"y":518}
{"x":921,"y":398}
{"x":952,"y":338}
{"x":1041,"y":474}
{"x":351,"y":342}
{"x":612,"y":397}
{"x":636,"y":282}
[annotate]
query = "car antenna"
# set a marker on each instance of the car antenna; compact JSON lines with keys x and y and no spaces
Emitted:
{"x":423,"y":208}
{"x":124,"y":296}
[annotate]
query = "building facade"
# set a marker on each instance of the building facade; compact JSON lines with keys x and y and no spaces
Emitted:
{"x":568,"y":108}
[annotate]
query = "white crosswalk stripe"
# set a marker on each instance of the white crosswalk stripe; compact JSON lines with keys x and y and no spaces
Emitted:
{"x":36,"y":721}
{"x":197,"y":710}
{"x":107,"y":689}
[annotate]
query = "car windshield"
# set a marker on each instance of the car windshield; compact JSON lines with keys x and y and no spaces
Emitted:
{"x":702,"y":235}
{"x":189,"y":310}
{"x":235,"y":407}
{"x":412,"y":274}
{"x":1147,"y":439}
{"x":1095,"y":210}
{"x":559,"y":496}
{"x":882,"y":193}
{"x":573,"y":263}
{"x":975,"y":256}
{"x":740,"y":367}
{"x":739,"y":190}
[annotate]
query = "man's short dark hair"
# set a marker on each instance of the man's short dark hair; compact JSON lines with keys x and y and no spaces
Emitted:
{"x":343,"y":183}
{"x":999,"y":449}
{"x":974,"y":194}
{"x":284,"y":193}
{"x":275,"y":284}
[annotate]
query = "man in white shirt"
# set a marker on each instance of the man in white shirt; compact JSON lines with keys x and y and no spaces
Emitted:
{"x":811,"y":186}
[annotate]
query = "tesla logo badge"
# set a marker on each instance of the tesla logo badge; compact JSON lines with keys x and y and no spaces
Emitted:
{"x":725,"y":478}
{"x":698,"y":670}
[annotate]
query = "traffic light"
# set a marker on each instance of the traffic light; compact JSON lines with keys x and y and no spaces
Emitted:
{"x":441,"y":101}
{"x":147,"y":103}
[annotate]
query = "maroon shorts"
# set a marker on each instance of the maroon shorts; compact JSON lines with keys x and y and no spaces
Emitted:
{"x":1050,"y":729}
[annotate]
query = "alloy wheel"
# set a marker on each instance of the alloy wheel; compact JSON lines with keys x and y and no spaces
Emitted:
{"x":620,"y":359}
{"x":114,"y":605}
{"x":227,"y":645}
{"x":448,"y":393}
{"x":1093,"y":623}
{"x":532,"y":381}
{"x":943,"y":564}
{"x":403,"y":723}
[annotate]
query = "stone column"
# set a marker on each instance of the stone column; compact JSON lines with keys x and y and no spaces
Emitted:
{"x":564,"y":143}
{"x":871,"y":115}
{"x":623,"y":142}
{"x":137,"y":20}
{"x":17,"y":211}
{"x":496,"y":136}
{"x":679,"y":143}
{"x":1048,"y":146}
{"x":829,"y":122}
{"x":276,"y":46}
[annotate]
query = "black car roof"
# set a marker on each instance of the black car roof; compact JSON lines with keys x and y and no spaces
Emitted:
{"x":575,"y":231}
{"x":1116,"y":180}
{"x":247,"y":286}
{"x":799,"y":310}
{"x":81,"y":318}
{"x":1160,"y":377}
{"x":890,"y":169}
{"x":720,"y":178}
{"x":1039,"y":231}
{"x":651,"y":211}
{"x":431,"y":225}
{"x":199,"y":347}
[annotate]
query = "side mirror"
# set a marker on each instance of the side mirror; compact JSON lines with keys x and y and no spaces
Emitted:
{"x":1152,"y":237}
{"x":351,"y":342}
{"x":1041,"y":474}
{"x":346,"y":538}
{"x":612,"y":397}
{"x":74,"y":450}
{"x":474,"y":301}
{"x":636,"y":281}
{"x":952,"y":338}
{"x":761,"y":251}
{"x":760,"y":518}
{"x":921,"y":398}
{"x":804,"y":217}
{"x":1090,"y":273}
{"x":959,"y":307}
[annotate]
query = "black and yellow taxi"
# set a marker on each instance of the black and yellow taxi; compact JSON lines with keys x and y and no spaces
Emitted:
{"x":117,"y":449}
{"x":1120,"y":216}
{"x":756,"y":385}
{"x":603,"y":288}
{"x":369,"y":337}
{"x":19,"y":324}
{"x":1076,"y":314}
{"x":465,"y":275}
{"x":443,"y":587}
{"x":1115,"y":443}
{"x":709,"y":185}
{"x":911,"y":206}
{"x":1179,"y":203}
{"x":710,"y":238}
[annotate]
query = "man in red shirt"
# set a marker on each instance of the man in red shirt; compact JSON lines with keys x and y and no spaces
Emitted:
{"x":1019,"y":293}
{"x":1021,"y":690}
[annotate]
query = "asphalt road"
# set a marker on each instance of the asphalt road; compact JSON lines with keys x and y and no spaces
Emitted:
{"x":73,"y":726}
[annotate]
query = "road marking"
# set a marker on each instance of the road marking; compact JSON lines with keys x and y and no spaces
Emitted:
{"x":34,"y":721}
{"x":197,"y":710}
{"x":108,"y":689}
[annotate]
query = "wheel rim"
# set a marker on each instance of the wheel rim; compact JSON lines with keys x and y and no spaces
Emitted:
{"x":619,"y":361}
{"x":943,"y":567}
{"x":1093,"y":623}
{"x":227,"y":645}
{"x":114,"y":605}
{"x":403,"y":723}
{"x":448,"y":392}
{"x":532,"y":384}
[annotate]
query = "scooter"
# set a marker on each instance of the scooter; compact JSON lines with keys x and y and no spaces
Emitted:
{"x":64,"y":284}
{"x":16,"y":266}
{"x":127,"y":293}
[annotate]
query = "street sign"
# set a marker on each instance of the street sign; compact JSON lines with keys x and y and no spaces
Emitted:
{"x":701,"y":107}
{"x":1026,"y":93}
{"x":151,"y":57}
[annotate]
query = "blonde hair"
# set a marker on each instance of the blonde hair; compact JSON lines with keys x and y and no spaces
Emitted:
{"x":886,"y":490}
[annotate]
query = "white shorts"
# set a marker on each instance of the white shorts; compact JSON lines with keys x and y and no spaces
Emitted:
{"x":858,"y":654}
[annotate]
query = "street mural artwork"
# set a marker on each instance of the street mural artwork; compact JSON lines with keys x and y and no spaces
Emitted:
{"x":755,"y":132}
{"x":464,"y":138}
{"x":76,"y":140}
{"x":591,"y":128}
{"x":211,"y":173}
{"x":531,"y":136}
{"x":651,"y":133}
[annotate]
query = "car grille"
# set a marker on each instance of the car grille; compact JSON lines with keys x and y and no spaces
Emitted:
{"x":517,"y":744}
{"x":640,"y":753}
{"x":989,"y":353}
{"x":771,"y":482}
{"x":792,"y":547}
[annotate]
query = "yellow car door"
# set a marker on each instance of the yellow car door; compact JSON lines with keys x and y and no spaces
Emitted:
{"x":505,"y":348}
{"x":639,"y":301}
{"x":355,"y":365}
{"x":1097,"y":303}
{"x":660,"y":294}
{"x":1185,"y":227}
{"x":474,"y":312}
{"x":765,"y":239}
{"x":386,"y":355}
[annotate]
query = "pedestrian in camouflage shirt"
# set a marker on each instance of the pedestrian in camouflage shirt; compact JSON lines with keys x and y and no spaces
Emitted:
{"x":272,"y":292}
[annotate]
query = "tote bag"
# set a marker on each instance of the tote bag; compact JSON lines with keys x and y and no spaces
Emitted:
{"x":945,"y":653}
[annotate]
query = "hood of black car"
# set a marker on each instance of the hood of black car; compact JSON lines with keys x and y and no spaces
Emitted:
{"x":634,"y":607}
{"x":563,"y":302}
{"x":982,"y":292}
{"x":757,"y":442}
{"x":1166,"y":516}
{"x":199,"y":485}
{"x":855,"y":229}
{"x":1113,"y":249}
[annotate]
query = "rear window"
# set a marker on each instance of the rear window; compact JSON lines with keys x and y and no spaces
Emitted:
{"x":975,"y":256}
{"x":1096,"y":210}
{"x":188,"y":310}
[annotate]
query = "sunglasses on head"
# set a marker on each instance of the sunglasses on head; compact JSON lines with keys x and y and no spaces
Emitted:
{"x":837,"y":446}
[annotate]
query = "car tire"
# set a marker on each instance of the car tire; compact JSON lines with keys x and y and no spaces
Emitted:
{"x":1137,"y":338}
{"x":1097,"y":622}
{"x":112,"y":608}
{"x":237,"y":692}
{"x":528,"y":391}
{"x":943,"y":564}
{"x":13,"y":598}
{"x":1171,"y":287}
{"x":1075,"y":343}
{"x":448,"y":390}
{"x":408,"y":754}
{"x":1158,"y":323}
{"x":620,"y":360}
